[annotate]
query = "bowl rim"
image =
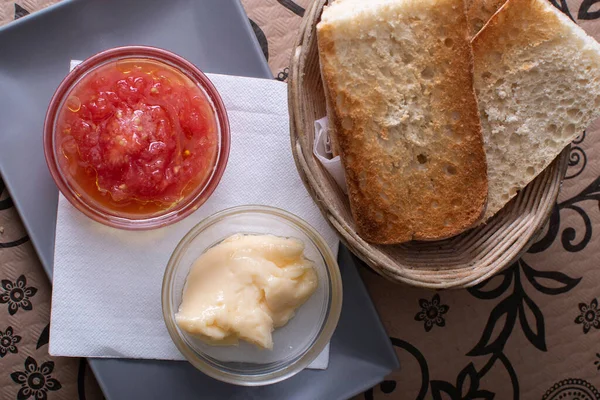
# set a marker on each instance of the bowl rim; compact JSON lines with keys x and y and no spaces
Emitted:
{"x":326,"y":330}
{"x":182,"y":209}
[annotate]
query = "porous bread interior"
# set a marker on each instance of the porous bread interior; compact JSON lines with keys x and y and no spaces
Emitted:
{"x":537,"y":80}
{"x":479,"y":12}
{"x":398,"y":77}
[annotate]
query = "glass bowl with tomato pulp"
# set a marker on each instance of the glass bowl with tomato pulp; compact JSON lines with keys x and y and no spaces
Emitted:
{"x":136,"y":137}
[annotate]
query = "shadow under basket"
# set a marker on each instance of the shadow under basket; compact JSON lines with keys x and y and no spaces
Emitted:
{"x":462,"y":261}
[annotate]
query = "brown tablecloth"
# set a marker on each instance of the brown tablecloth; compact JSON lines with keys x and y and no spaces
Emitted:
{"x":531,"y":332}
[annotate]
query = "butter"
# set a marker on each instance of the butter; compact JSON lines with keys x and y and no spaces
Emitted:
{"x":244,"y":288}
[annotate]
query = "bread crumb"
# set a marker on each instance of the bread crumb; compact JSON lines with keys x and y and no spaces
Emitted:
{"x":1,"y":230}
{"x":528,"y":66}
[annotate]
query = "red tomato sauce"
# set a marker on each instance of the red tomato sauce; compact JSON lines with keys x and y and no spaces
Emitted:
{"x":137,"y":136}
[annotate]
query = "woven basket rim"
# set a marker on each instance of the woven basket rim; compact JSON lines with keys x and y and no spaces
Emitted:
{"x":306,"y":164}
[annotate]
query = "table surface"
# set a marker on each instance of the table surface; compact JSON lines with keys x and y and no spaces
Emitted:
{"x":534,"y":329}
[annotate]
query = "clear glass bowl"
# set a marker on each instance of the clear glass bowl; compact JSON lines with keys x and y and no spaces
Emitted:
{"x":296,"y":344}
{"x":94,"y":209}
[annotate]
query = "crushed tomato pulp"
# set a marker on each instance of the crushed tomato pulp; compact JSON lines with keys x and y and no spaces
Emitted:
{"x":137,"y":136}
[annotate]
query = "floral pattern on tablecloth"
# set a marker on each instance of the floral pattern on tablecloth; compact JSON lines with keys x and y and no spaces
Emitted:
{"x":530,"y":332}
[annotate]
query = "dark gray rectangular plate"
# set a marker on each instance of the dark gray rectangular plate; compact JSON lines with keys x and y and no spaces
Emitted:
{"x":216,"y":36}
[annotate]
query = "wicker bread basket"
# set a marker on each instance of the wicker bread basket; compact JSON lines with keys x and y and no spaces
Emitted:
{"x":458,"y":262}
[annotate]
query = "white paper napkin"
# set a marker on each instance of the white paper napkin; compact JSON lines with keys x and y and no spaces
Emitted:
{"x":107,"y":282}
{"x":322,"y":150}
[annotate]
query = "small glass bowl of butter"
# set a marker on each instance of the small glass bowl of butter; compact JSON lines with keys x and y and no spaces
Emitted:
{"x":294,"y":345}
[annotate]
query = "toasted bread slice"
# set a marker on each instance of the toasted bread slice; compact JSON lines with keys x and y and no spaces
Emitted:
{"x":398,"y":79}
{"x":537,"y":78}
{"x":479,"y":12}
